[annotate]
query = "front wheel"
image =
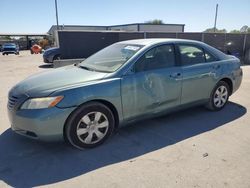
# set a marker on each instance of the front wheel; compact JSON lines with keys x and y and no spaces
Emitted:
{"x":56,"y":57}
{"x":219,"y":96}
{"x":90,"y":125}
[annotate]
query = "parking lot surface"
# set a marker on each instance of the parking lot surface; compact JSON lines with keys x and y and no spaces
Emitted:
{"x":191,"y":148}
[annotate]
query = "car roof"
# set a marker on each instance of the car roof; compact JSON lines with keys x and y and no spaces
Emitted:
{"x":152,"y":41}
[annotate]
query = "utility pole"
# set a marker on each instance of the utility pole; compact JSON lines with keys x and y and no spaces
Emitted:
{"x":57,"y":25}
{"x":215,"y":20}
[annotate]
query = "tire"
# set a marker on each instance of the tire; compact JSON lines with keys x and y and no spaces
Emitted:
{"x":219,"y":96}
{"x":89,"y":126}
{"x":56,"y":57}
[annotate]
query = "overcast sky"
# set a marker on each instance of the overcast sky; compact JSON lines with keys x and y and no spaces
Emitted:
{"x":31,"y":16}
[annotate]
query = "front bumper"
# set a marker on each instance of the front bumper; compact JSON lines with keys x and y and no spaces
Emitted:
{"x":41,"y":124}
{"x":9,"y":52}
{"x":237,"y":79}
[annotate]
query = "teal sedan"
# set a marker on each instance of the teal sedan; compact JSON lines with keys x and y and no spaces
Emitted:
{"x":125,"y":82}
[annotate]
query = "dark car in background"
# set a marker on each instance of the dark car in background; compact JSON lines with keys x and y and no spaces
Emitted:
{"x":10,"y":48}
{"x":51,"y":54}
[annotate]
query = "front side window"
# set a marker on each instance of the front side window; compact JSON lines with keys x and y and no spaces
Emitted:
{"x":156,"y":58}
{"x":110,"y":58}
{"x":191,"y":55}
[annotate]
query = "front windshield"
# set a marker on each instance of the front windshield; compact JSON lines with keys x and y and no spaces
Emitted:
{"x":110,"y":58}
{"x":9,"y":45}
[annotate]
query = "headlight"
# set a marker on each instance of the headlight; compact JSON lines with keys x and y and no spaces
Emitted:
{"x":38,"y":103}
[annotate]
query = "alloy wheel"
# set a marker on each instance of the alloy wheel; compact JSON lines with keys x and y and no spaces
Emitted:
{"x":220,"y":96}
{"x":92,"y":127}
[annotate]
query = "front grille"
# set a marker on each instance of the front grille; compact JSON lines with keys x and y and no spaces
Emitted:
{"x":12,"y":102}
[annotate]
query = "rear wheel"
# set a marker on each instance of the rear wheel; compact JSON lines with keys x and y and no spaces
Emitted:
{"x":90,"y":125}
{"x":219,"y":96}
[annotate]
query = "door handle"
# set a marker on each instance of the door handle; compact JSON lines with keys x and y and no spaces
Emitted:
{"x":175,"y":75}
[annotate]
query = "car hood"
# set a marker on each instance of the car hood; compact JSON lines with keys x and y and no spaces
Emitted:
{"x":44,"y":83}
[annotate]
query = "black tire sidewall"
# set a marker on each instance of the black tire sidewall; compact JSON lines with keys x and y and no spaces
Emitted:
{"x":71,"y":125}
{"x":56,"y":57}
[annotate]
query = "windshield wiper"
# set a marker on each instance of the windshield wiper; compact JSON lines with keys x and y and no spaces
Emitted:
{"x":91,"y":69}
{"x":86,"y":68}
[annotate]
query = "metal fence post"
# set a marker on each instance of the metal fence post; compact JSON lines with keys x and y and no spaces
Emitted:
{"x":225,"y":45}
{"x":244,"y":47}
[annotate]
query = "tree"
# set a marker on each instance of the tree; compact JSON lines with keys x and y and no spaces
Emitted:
{"x":6,"y":37}
{"x":235,"y":31}
{"x":155,"y":21}
{"x":211,"y":30}
{"x":244,"y":29}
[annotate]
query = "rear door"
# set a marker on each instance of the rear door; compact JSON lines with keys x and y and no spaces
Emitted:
{"x":154,"y":84}
{"x":198,"y":73}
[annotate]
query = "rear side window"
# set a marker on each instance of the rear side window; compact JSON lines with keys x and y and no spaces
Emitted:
{"x":191,"y":55}
{"x":156,"y":58}
{"x":209,"y":57}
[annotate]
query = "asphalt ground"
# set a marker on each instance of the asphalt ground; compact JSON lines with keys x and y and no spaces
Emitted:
{"x":190,"y":148}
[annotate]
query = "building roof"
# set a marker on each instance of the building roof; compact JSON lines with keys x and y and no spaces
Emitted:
{"x":145,"y":24}
{"x":110,"y":26}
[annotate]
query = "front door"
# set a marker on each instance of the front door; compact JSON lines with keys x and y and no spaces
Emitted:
{"x":154,"y":85}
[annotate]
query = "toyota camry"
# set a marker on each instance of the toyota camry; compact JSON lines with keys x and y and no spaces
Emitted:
{"x":122,"y":83}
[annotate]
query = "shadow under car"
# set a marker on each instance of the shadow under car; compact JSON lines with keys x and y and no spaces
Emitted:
{"x":28,"y":163}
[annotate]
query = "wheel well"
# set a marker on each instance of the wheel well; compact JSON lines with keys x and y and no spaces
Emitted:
{"x":112,"y":108}
{"x":56,"y":56}
{"x":106,"y":103}
{"x":230,"y":84}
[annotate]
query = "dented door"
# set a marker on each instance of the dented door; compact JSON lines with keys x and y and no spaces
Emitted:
{"x":150,"y":91}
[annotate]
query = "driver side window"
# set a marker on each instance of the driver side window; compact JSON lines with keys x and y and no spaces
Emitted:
{"x":156,"y":58}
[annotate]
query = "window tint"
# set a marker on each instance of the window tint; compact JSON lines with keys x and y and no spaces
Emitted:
{"x":209,"y":57}
{"x":191,"y":55}
{"x":156,"y":58}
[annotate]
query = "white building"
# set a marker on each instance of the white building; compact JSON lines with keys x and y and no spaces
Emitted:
{"x":135,"y":27}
